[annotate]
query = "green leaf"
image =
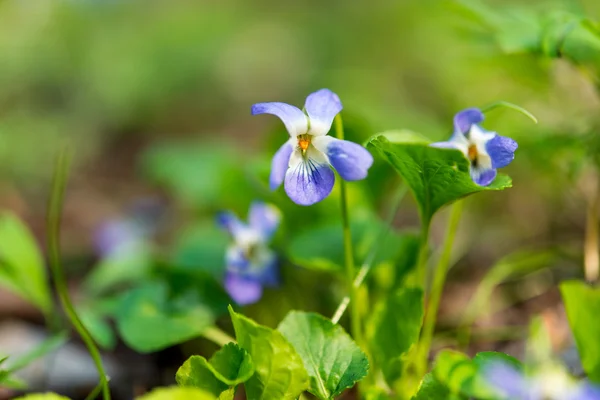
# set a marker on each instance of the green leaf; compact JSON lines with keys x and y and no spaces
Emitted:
{"x":42,"y":396}
{"x":22,"y":268}
{"x":280,"y":372}
{"x":582,"y":304}
{"x":177,"y":393}
{"x":333,"y":361}
{"x":436,"y":177}
{"x":464,"y":376}
{"x":326,"y":243}
{"x":432,"y":389}
{"x":229,"y":366}
{"x":97,"y":326}
{"x":393,"y":328}
{"x":149,"y":320}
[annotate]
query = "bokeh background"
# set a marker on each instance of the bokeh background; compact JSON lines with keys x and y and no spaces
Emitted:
{"x":153,"y":98}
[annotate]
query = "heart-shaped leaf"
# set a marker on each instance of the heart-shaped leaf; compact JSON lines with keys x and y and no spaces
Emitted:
{"x":333,"y":361}
{"x":280,"y":372}
{"x":228,"y":367}
{"x":436,"y":177}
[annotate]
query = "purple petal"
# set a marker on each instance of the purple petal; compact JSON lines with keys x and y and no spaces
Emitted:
{"x":236,"y":259}
{"x":114,"y":236}
{"x":228,"y":221}
{"x":269,"y":275}
{"x":243,"y":290}
{"x":279,"y":165}
{"x":506,"y":379}
{"x":350,"y":160}
{"x":322,"y":106}
{"x":465,"y":118}
{"x":309,"y":182}
{"x":586,"y":391}
{"x":293,"y":118}
{"x":264,"y":218}
{"x":483,"y":177}
{"x":501,"y":150}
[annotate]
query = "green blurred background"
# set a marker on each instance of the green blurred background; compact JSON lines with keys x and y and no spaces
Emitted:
{"x":154,"y":100}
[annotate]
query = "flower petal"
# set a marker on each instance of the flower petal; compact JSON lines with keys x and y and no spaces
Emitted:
{"x":322,"y":106}
{"x":465,"y":118}
{"x":280,"y":164}
{"x":350,"y":160}
{"x":293,"y":118}
{"x":483,"y":176}
{"x":243,"y":290}
{"x":264,"y":218}
{"x":501,"y":150}
{"x":228,"y":221}
{"x":506,"y":379}
{"x":585,"y":391}
{"x":269,"y":274}
{"x":309,"y":179}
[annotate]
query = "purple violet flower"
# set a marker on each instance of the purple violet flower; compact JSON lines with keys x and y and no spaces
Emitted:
{"x":303,"y":162}
{"x":487,"y":151}
{"x":549,"y":384}
{"x":251,"y":265}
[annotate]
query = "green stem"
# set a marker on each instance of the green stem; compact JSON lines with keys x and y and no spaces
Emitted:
{"x":591,"y":251}
{"x":54,"y":220}
{"x":435,"y":295}
{"x":216,"y":335}
{"x":368,"y":263}
{"x":348,"y":251}
{"x":512,"y":106}
{"x":423,"y":255}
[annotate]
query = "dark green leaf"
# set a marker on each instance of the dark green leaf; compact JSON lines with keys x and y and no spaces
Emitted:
{"x":280,"y":372}
{"x":333,"y":361}
{"x":149,"y":320}
{"x":228,"y":367}
{"x":582,"y":304}
{"x":435,"y":176}
{"x":393,"y":328}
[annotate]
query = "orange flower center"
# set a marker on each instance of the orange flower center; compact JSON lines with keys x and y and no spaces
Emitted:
{"x":304,"y":142}
{"x":472,"y":152}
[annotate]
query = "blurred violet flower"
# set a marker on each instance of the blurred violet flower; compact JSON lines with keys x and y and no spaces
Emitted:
{"x":551,"y":384}
{"x":251,"y":265}
{"x":304,"y":161}
{"x":487,"y":151}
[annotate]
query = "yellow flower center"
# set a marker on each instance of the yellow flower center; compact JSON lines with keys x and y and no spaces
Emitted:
{"x":303,"y":142}
{"x":472,"y":154}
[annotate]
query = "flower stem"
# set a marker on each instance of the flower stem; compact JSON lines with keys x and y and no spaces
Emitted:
{"x":435,"y":295}
{"x":368,"y":263}
{"x":355,"y":327}
{"x":53,"y":225}
{"x":216,"y":335}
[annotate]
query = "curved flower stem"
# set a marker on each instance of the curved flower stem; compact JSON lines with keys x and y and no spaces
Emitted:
{"x":368,"y":263}
{"x":435,"y":295}
{"x":348,"y":251}
{"x":216,"y":335}
{"x":512,"y":106}
{"x":53,"y":225}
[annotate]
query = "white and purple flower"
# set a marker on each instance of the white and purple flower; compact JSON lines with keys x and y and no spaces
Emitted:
{"x":486,"y":151}
{"x":550,"y":384}
{"x":304,"y":161}
{"x":251,"y":265}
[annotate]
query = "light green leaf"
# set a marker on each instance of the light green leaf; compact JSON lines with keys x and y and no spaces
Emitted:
{"x":280,"y":372}
{"x":436,"y":177}
{"x":326,"y":243}
{"x":22,"y":268}
{"x":228,"y":367}
{"x":42,"y":396}
{"x":97,"y":326}
{"x":393,"y":328}
{"x":432,"y":389}
{"x":333,"y":361}
{"x":464,"y":376}
{"x":149,"y":321}
{"x":177,"y":393}
{"x":582,"y":304}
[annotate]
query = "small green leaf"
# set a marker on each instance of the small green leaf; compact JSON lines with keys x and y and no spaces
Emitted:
{"x":228,"y":367}
{"x":177,"y":393}
{"x":393,"y":328}
{"x":464,"y":376}
{"x":333,"y":361}
{"x":280,"y":372}
{"x":42,"y":396}
{"x":22,"y":268}
{"x":97,"y":326}
{"x":582,"y":304}
{"x":436,"y":177}
{"x":432,"y":389}
{"x":149,"y":321}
